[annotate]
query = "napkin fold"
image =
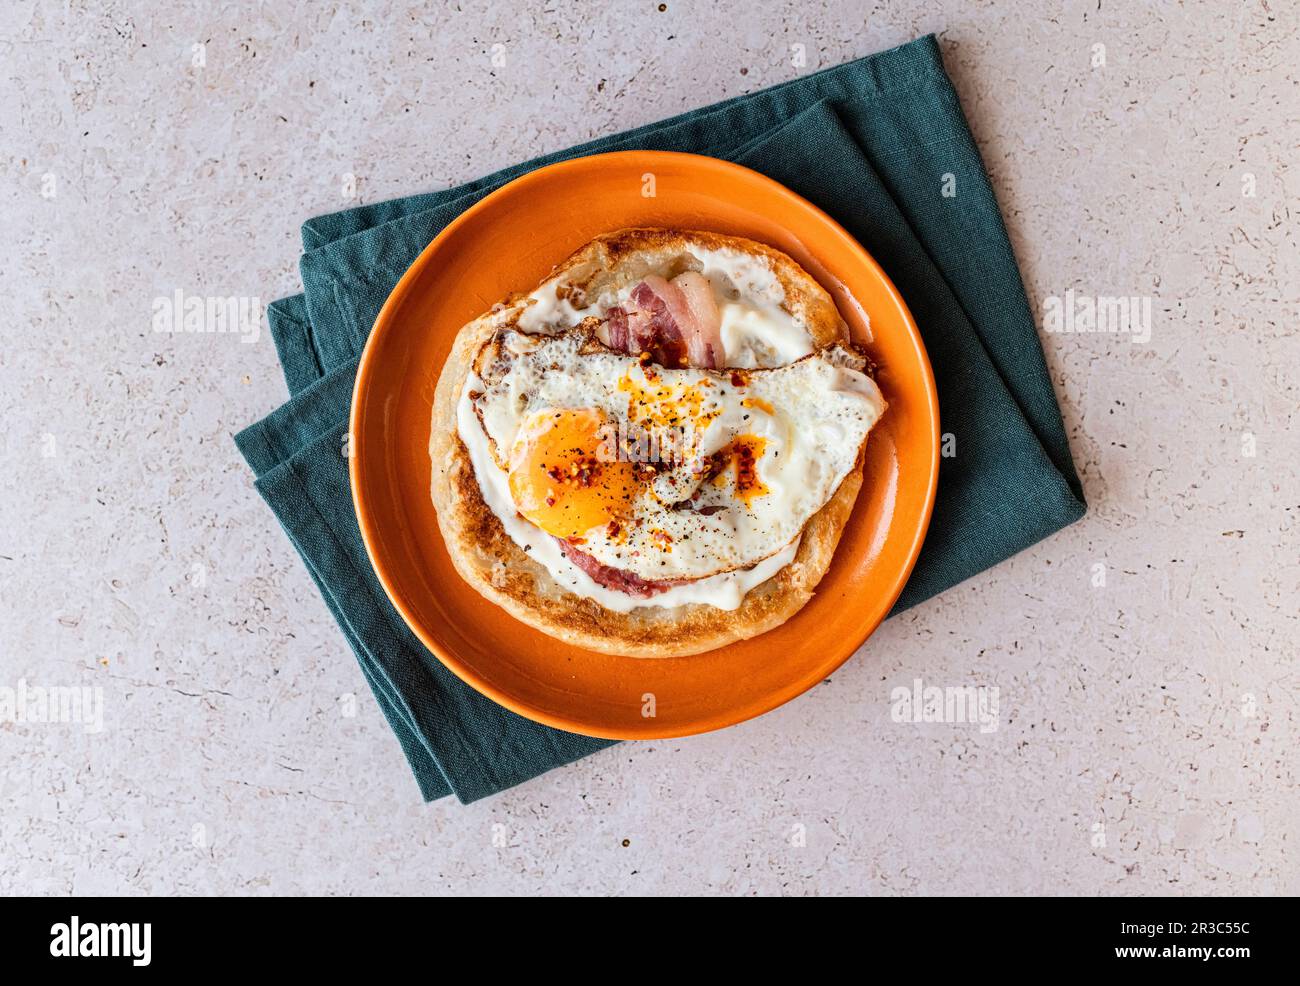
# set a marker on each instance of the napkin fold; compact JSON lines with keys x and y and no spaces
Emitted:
{"x":881,"y":144}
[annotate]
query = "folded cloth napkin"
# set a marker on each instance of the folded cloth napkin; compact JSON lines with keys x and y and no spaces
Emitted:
{"x":882,"y":145}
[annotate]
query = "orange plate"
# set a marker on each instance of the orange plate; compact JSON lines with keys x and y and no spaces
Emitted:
{"x":510,"y":241}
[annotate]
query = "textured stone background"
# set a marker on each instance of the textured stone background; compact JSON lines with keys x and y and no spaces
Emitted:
{"x":1149,"y":733}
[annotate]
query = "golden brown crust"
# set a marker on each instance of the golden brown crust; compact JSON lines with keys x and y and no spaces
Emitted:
{"x":487,"y":558}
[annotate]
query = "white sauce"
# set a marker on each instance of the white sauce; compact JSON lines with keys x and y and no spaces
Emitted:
{"x":548,"y":313}
{"x":756,"y":330}
{"x":725,"y":591}
{"x":752,"y":337}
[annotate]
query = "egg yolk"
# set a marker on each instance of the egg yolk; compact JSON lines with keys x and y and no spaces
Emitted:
{"x":562,"y":476}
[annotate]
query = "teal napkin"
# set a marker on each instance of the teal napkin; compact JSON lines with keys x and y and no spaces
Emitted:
{"x":876,"y":143}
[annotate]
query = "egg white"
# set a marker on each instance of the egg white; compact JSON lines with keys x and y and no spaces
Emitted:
{"x":810,"y":417}
{"x":725,"y":591}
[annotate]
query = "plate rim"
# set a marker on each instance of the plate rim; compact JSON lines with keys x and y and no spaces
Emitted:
{"x":366,"y":517}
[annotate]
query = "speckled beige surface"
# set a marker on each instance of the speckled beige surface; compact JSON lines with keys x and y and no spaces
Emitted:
{"x":1147,"y":738}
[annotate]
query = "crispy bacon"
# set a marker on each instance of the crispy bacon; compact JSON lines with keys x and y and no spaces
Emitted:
{"x":630,"y":332}
{"x":616,"y":578}
{"x":675,"y":321}
{"x":653,"y":325}
{"x":702,"y":328}
{"x":616,"y":326}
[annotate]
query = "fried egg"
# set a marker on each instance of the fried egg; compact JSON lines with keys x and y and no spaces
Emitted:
{"x":669,"y":475}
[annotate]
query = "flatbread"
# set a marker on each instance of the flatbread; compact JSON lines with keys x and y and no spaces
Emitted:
{"x":490,"y":561}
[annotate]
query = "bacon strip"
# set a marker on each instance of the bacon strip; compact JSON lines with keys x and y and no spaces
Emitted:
{"x":616,"y":326}
{"x":703,"y":328}
{"x":616,"y":578}
{"x":653,"y":326}
{"x":676,"y":322}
